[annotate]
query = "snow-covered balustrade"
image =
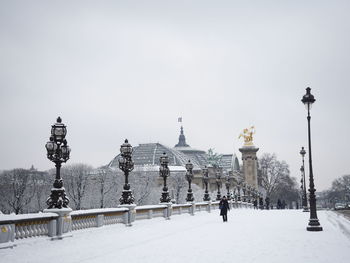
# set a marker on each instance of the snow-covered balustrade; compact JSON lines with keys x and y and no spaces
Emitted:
{"x":14,"y":227}
{"x":215,"y":204}
{"x":98,"y":217}
{"x":179,"y":209}
{"x":150,"y":211}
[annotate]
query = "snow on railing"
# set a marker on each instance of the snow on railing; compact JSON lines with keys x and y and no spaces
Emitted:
{"x":98,"y":217}
{"x":57,"y":225}
{"x":25,"y":226}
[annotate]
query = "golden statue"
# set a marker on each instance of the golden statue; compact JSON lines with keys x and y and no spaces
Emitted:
{"x":248,"y":136}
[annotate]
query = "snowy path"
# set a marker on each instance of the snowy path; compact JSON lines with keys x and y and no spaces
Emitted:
{"x":248,"y":236}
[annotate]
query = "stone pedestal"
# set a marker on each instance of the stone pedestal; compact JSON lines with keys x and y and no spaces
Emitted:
{"x":168,"y":211}
{"x":131,"y":215}
{"x":63,"y":223}
{"x":7,"y":236}
{"x":209,"y":206}
{"x":250,"y":166}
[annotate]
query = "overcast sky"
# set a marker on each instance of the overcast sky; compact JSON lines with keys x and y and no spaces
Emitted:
{"x":128,"y":69}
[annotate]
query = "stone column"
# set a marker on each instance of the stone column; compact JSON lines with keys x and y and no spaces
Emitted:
{"x":63,"y":222}
{"x":250,"y":167}
{"x":131,"y":216}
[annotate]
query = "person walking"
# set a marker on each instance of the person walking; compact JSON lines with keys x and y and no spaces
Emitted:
{"x":223,"y":205}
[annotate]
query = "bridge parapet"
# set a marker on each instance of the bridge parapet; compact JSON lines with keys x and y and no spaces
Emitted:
{"x":16,"y":227}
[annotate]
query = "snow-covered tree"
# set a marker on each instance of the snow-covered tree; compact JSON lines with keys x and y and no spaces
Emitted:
{"x":17,"y":189}
{"x":178,"y":183}
{"x":76,"y":179}
{"x":213,"y":158}
{"x":276,"y":180}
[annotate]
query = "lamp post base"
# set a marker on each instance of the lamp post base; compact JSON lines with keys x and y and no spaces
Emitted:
{"x":206,"y":197}
{"x":165,"y":197}
{"x":314,"y":225}
{"x":127,"y":198}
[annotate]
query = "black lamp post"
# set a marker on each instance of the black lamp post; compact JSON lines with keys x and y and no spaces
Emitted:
{"x":126,"y":165}
{"x":58,"y":152}
{"x":164,"y":172}
{"x":249,"y":193}
{"x":314,"y":225}
{"x":244,"y":192}
{"x":206,"y":181}
{"x":302,"y":169}
{"x":189,"y":177}
{"x":239,"y":191}
{"x":228,"y":184}
{"x":218,"y":184}
{"x":261,"y":201}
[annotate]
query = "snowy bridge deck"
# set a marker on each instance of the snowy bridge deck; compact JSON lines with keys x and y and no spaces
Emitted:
{"x":248,"y":236}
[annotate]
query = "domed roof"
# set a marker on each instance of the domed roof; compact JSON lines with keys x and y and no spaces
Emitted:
{"x":148,"y":154}
{"x":195,"y":155}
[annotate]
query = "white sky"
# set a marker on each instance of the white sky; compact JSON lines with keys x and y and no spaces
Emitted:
{"x":128,"y":69}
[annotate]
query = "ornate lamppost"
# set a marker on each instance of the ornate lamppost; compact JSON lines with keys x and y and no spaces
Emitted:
{"x":58,"y":152}
{"x":261,"y":201}
{"x":249,"y":193}
{"x":302,"y":169}
{"x":164,"y":172}
{"x":189,"y":177}
{"x":126,"y":165}
{"x":314,"y":225}
{"x":244,"y":188}
{"x":234,"y":194}
{"x":218,"y":184}
{"x":228,"y":184}
{"x":206,"y":181}
{"x":239,"y":191}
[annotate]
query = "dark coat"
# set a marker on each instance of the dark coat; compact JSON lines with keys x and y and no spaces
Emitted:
{"x":224,"y":207}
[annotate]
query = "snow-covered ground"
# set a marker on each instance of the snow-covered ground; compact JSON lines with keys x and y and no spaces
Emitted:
{"x":248,"y":236}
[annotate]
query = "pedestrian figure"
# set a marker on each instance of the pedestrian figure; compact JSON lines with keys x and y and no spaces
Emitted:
{"x":223,"y":205}
{"x":261,"y":203}
{"x":279,"y":204}
{"x":255,"y":204}
{"x":267,"y":203}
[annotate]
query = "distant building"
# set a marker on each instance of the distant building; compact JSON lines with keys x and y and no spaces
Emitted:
{"x":146,"y":159}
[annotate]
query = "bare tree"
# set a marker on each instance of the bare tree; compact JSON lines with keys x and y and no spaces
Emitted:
{"x":272,"y":172}
{"x":107,"y":181}
{"x":76,"y":180}
{"x":342,"y":187}
{"x":177,"y":181}
{"x":276,"y":180}
{"x":17,"y":189}
{"x":339,"y":192}
{"x":42,"y":190}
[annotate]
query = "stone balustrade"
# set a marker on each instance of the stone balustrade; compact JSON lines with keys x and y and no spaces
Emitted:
{"x":16,"y":227}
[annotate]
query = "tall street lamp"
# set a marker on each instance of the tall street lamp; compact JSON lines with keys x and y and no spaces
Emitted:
{"x":189,"y":177}
{"x":302,"y":169}
{"x":228,"y":184}
{"x":314,"y":225}
{"x":206,"y":181}
{"x":244,"y":192}
{"x":218,"y":184}
{"x":164,"y":172}
{"x":58,"y":152}
{"x":126,"y":165}
{"x":249,"y":193}
{"x":239,"y":190}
